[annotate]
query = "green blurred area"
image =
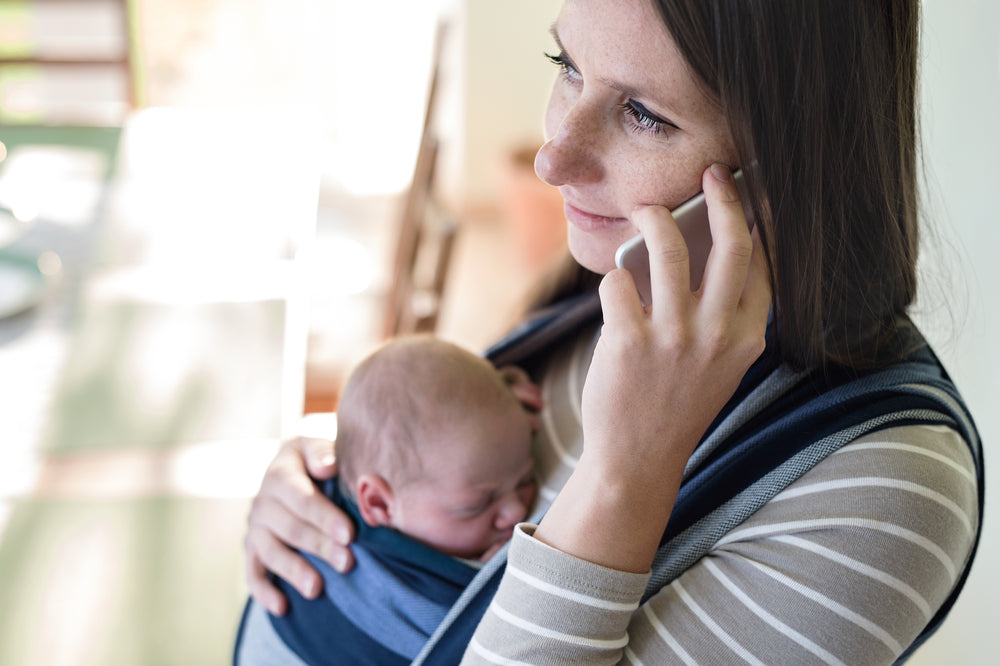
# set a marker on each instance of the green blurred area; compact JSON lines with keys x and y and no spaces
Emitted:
{"x":15,"y":29}
{"x":121,"y":582}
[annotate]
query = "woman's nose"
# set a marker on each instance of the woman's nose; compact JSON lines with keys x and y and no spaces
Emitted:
{"x":571,"y":155}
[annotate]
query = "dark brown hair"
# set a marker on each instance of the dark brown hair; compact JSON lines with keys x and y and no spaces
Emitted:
{"x":820,"y":96}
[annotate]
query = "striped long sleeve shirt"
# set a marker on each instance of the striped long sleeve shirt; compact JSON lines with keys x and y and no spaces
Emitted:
{"x":846,"y":565}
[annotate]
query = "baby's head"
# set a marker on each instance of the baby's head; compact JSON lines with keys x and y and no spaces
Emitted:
{"x":432,"y":442}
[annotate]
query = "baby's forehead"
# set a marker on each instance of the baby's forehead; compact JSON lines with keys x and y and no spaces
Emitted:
{"x":461,"y":403}
{"x":480,"y":448}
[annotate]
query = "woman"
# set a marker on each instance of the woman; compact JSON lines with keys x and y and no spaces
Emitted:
{"x":819,"y":501}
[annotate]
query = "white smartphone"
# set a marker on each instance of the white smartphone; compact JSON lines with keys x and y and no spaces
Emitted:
{"x":692,"y":219}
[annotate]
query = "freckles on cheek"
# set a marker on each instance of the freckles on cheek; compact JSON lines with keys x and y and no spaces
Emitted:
{"x":671,"y":174}
{"x":659,"y":182}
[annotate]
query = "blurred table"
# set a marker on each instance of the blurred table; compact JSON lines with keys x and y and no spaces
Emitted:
{"x":146,"y":391}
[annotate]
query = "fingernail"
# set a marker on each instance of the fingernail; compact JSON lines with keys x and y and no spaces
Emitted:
{"x":327,"y":460}
{"x":342,"y":536}
{"x":309,"y":585}
{"x":721,"y":173}
{"x":340,"y":563}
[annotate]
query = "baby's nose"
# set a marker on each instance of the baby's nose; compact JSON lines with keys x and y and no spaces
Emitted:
{"x":512,"y":511}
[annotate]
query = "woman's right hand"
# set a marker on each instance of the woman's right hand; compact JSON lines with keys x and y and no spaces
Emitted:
{"x":291,"y":513}
{"x":660,"y":374}
{"x":658,"y":377}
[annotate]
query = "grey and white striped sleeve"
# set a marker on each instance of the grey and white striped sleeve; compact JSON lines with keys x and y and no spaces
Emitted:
{"x":846,"y":566}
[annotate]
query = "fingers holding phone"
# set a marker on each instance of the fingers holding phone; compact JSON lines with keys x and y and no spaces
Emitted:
{"x":660,"y":374}
{"x":728,"y":265}
{"x":692,"y":218}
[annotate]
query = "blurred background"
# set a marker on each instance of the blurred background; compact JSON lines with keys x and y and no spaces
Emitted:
{"x":210,"y":209}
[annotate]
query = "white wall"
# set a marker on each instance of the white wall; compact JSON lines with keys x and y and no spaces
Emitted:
{"x":507,"y":82}
{"x":961,"y":106}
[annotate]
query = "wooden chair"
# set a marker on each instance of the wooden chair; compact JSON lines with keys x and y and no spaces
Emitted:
{"x":424,"y":237}
{"x":426,"y":233}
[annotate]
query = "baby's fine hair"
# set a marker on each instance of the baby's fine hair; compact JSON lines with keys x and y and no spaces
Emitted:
{"x":402,"y":396}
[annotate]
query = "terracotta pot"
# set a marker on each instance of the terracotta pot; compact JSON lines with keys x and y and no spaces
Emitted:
{"x":532,"y":209}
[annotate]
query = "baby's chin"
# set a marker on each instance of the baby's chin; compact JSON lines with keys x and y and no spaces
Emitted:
{"x":478,"y":553}
{"x":488,"y":554}
{"x":499,"y":542}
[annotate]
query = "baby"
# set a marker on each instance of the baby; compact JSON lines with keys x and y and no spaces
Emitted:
{"x":435,"y":469}
{"x":434,"y":455}
{"x":432,"y":442}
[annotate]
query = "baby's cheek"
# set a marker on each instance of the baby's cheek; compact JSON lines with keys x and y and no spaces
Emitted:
{"x":476,"y":534}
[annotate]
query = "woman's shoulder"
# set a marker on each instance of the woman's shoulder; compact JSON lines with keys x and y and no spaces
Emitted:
{"x":923,"y":459}
{"x":925,"y":450}
{"x":909,"y":488}
{"x":858,"y":555}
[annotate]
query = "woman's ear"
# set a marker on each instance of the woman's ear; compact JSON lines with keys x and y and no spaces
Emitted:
{"x":376,"y":501}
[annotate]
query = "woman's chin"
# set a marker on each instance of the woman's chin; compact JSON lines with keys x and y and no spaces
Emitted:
{"x":591,"y":253}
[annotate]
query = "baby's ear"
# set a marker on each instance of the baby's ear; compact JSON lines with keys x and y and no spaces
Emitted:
{"x":375,"y":500}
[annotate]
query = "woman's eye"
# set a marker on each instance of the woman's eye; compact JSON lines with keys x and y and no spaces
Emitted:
{"x":643,"y":120}
{"x":561,"y":61}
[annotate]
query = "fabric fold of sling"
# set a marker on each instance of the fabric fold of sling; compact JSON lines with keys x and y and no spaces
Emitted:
{"x":384,"y":611}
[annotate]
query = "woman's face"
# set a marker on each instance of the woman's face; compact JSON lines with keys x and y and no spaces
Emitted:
{"x":627,"y":124}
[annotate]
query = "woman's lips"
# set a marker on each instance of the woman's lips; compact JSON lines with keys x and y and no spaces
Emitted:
{"x":589,"y":221}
